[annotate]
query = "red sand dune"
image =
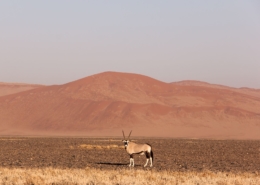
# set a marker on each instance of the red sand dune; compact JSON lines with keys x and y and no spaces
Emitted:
{"x":106,"y":103}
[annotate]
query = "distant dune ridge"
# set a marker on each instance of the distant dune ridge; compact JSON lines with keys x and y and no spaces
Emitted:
{"x":12,"y":88}
{"x":105,"y":103}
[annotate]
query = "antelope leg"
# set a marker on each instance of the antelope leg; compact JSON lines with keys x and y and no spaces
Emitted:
{"x":146,"y":162}
{"x":131,"y":160}
{"x":151,"y":160}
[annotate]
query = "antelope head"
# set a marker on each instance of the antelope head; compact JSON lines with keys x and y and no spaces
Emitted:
{"x":126,"y":141}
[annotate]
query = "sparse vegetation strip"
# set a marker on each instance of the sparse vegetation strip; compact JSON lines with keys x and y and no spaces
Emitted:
{"x":52,"y":176}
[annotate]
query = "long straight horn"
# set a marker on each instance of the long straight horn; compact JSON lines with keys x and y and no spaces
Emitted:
{"x":123,"y":134}
{"x":129,"y":135}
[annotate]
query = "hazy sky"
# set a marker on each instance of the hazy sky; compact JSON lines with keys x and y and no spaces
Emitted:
{"x":58,"y":41}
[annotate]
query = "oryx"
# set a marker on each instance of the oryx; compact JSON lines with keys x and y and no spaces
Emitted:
{"x":134,"y":148}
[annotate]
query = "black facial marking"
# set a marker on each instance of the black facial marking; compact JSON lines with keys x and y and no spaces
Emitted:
{"x":125,"y":143}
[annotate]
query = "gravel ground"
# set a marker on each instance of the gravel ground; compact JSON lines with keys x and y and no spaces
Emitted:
{"x":169,"y":154}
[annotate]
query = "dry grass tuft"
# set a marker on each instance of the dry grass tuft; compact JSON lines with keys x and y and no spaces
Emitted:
{"x":90,"y":147}
{"x":51,"y":176}
{"x":10,"y":139}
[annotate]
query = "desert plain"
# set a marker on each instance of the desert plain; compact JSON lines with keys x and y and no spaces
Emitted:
{"x":105,"y":161}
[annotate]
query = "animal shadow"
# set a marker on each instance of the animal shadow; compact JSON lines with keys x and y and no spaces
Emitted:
{"x":113,"y":164}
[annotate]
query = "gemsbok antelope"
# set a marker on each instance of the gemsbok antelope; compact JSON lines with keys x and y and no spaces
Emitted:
{"x":134,"y":148}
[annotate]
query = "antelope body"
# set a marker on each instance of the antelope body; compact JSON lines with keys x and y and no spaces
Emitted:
{"x":134,"y":148}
